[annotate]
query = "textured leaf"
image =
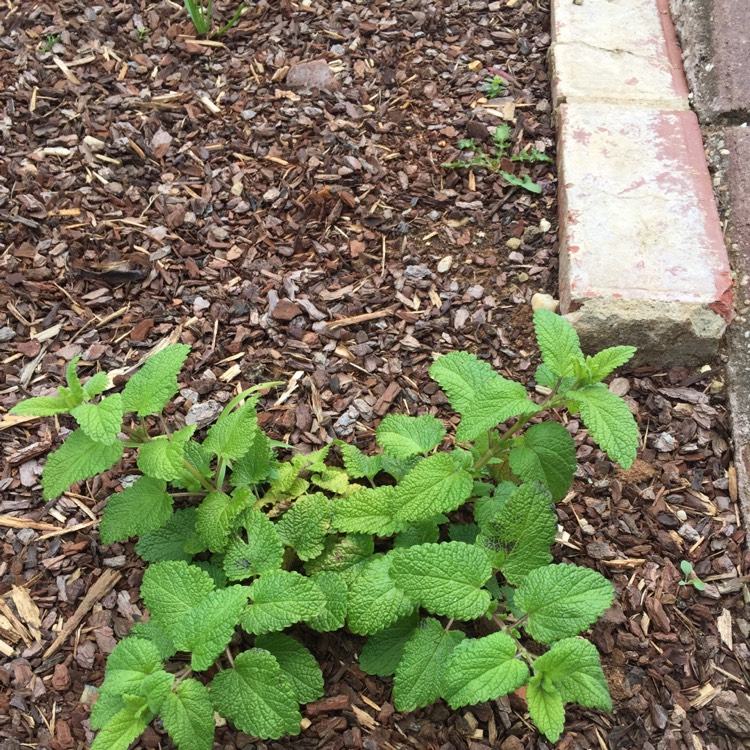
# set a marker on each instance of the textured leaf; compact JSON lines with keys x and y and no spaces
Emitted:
{"x":420,"y":672}
{"x":257,"y":696}
{"x":374,"y":601}
{"x":370,"y":511}
{"x":96,"y":384}
{"x":262,"y":552}
{"x":358,"y":464}
{"x":171,"y":590}
{"x":255,"y":465}
{"x":420,"y":533}
{"x":78,"y":458}
{"x":106,"y":706}
{"x":232,"y":436}
{"x":402,"y":436}
{"x":383,"y":651}
{"x":188,"y":716}
{"x":562,"y":600}
{"x":499,"y":400}
{"x":486,"y":508}
{"x":142,"y":507}
{"x":609,"y":421}
{"x":305,"y":525}
{"x":482,"y":669}
{"x":131,"y":661}
{"x":546,"y":707}
{"x":101,"y":422}
{"x":297,"y":663}
{"x":558,"y":343}
{"x":333,"y":614}
{"x":209,"y":626}
{"x":150,"y":389}
{"x":572,"y":665}
{"x":445,"y":579}
{"x":172,"y":540}
{"x":74,"y":382}
{"x":215,"y":517}
{"x":155,"y":688}
{"x":44,"y":406}
{"x":479,"y":394}
{"x":342,"y":553}
{"x":433,"y":487}
{"x":547,"y":455}
{"x":608,"y":360}
{"x":279,"y":599}
{"x":121,"y":730}
{"x":151,"y":631}
{"x":199,"y":458}
{"x":522,"y":533}
{"x":163,"y":457}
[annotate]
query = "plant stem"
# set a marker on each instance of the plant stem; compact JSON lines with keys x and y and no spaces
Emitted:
{"x":201,"y":479}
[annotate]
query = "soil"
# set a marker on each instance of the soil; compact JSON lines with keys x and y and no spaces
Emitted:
{"x":159,"y":188}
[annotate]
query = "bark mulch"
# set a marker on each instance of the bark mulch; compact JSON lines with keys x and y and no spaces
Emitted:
{"x":156,"y":187}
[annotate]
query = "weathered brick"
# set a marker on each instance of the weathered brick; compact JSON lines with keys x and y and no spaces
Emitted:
{"x":642,"y":257}
{"x":622,"y":51}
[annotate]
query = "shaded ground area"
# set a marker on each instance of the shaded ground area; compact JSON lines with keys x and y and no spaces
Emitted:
{"x":156,"y":187}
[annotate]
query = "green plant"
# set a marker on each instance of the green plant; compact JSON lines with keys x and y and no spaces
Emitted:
{"x":50,"y":40}
{"x":201,"y":14}
{"x":493,"y":86}
{"x":400,"y":546}
{"x":143,"y":33}
{"x":492,"y":160}
{"x":690,"y":577}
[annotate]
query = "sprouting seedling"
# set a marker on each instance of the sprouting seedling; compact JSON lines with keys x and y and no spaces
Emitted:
{"x":493,"y":86}
{"x":691,"y":579}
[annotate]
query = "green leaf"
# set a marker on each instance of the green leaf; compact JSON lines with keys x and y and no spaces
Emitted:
{"x":374,"y":601}
{"x":262,"y":552}
{"x":371,"y":511}
{"x":188,"y":716}
{"x":131,"y":661}
{"x":572,"y":665}
{"x":216,"y":515}
{"x":256,"y":696}
{"x":121,"y":730}
{"x":171,"y":590}
{"x":101,"y":422}
{"x":525,"y":182}
{"x":482,"y":669}
{"x":445,"y":579}
{"x":419,"y":674}
{"x":209,"y":626}
{"x":74,"y":382}
{"x":486,"y":508}
{"x":106,"y":706}
{"x":342,"y":553}
{"x":609,"y":421}
{"x":522,"y":533}
{"x":155,"y":688}
{"x":562,"y":600}
{"x":233,"y":436}
{"x":255,"y":465}
{"x":200,"y":459}
{"x":421,"y":533}
{"x":608,"y":360}
{"x":172,"y":540}
{"x":383,"y":651}
{"x":546,"y":707}
{"x":142,"y":507}
{"x":358,"y":464}
{"x":151,"y":631}
{"x":279,"y":599}
{"x":78,"y":458}
{"x":479,"y":394}
{"x":151,"y":388}
{"x":558,"y":343}
{"x":43,"y":406}
{"x":333,"y":614}
{"x":335,"y":480}
{"x":547,"y":455}
{"x":96,"y":384}
{"x":163,"y":456}
{"x":297,"y":663}
{"x":215,"y":568}
{"x":305,"y":525}
{"x":402,"y":436}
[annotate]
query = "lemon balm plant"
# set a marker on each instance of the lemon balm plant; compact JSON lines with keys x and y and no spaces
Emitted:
{"x":408,"y":546}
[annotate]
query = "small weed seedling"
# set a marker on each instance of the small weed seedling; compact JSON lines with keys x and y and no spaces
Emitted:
{"x":406,"y":546}
{"x":493,"y":87}
{"x":690,"y":578}
{"x":492,"y":160}
{"x":201,"y":14}
{"x":50,"y":40}
{"x":143,"y":33}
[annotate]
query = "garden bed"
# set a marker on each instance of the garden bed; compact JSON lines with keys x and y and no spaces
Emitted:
{"x":157,"y":187}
